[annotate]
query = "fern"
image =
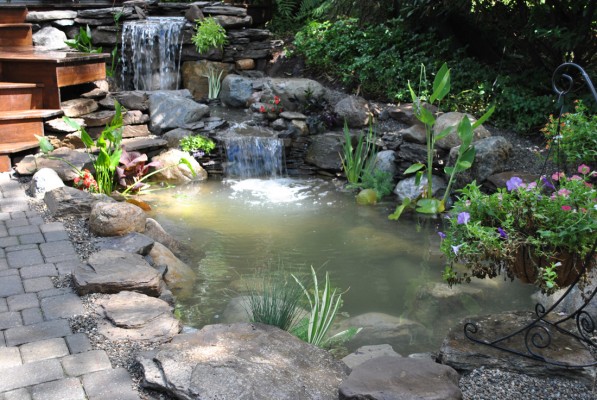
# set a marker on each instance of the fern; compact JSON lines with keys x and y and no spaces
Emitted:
{"x":285,"y":7}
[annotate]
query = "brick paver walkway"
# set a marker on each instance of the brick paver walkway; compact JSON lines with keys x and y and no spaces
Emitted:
{"x":40,"y":358}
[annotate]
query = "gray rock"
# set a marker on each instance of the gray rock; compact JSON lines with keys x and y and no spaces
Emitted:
{"x":231,"y":22}
{"x":380,"y":328}
{"x":464,"y":355}
{"x":169,"y":112}
{"x":135,"y":131}
{"x":324,"y":151}
{"x":113,"y":271}
{"x":59,"y":126}
{"x":78,"y":107}
{"x":178,"y":274}
{"x":44,"y":180}
{"x":193,"y":14}
{"x":490,"y":157}
{"x":174,"y":136}
{"x":154,"y":230}
{"x":135,"y":316}
{"x":405,"y":113}
{"x":452,"y":119}
{"x":133,"y":242}
{"x":106,"y":12}
{"x":99,"y":118}
{"x":40,"y":16}
{"x":291,"y":115}
{"x":49,"y":38}
{"x":279,"y":124}
{"x":225,"y":10}
{"x":367,"y":353}
{"x":116,"y":219}
{"x":242,"y":361}
{"x":407,"y":188}
{"x":377,"y":379}
{"x":134,"y":117}
{"x":213,"y":123}
{"x":236,"y":90}
{"x":68,"y":201}
{"x":131,"y":100}
{"x":178,"y":173}
{"x":294,"y":92}
{"x":414,"y":134}
{"x":30,"y":164}
{"x":354,"y":111}
{"x":385,"y":161}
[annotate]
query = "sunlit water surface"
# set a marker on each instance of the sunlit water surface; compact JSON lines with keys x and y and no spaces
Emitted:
{"x":237,"y":228}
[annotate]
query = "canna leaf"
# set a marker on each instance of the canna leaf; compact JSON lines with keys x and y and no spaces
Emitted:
{"x":441,"y":84}
{"x":414,"y":168}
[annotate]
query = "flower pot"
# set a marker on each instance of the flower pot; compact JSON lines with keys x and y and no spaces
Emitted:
{"x":526,"y":266}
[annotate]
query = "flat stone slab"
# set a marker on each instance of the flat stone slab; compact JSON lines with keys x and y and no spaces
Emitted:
{"x":113,"y":271}
{"x":463,"y":354}
{"x":242,"y":361}
{"x":391,"y":377}
{"x":134,"y":242}
{"x":135,"y":316}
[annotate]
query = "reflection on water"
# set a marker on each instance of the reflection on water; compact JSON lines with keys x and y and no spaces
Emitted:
{"x":235,"y":228}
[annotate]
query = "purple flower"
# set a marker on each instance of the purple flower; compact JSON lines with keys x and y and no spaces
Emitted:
{"x":547,"y":183}
{"x":441,"y":235}
{"x":456,"y":248}
{"x":502,"y":233}
{"x":463,"y":218}
{"x":513,"y":183}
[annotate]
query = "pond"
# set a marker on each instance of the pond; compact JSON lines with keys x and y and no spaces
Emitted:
{"x":237,"y":228}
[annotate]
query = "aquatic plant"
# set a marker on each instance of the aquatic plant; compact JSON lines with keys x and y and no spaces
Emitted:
{"x":359,"y":159}
{"x":214,"y":82}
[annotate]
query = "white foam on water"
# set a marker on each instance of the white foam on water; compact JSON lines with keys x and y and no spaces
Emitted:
{"x":270,"y":191}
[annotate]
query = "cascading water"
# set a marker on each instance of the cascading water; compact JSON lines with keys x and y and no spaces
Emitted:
{"x":253,"y":156}
{"x":151,"y":51}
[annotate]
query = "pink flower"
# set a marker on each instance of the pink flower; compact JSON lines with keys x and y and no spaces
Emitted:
{"x":575,"y":178}
{"x":262,"y":109}
{"x":584,"y":169}
{"x":566,"y":208}
{"x":564,"y":192}
{"x":557,"y":175}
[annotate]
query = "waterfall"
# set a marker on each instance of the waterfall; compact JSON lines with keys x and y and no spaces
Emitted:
{"x":151,"y":53}
{"x":251,"y":157}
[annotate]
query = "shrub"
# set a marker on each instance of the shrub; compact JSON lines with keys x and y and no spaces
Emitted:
{"x":197,"y":144}
{"x":209,"y":35}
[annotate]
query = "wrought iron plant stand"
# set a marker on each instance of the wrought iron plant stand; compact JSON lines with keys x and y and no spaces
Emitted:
{"x":540,"y":333}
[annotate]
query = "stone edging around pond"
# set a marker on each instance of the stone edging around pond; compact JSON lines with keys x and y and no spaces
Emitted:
{"x":134,"y":312}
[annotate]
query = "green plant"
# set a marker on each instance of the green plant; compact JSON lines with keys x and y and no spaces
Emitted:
{"x":197,"y":144}
{"x":209,"y":35}
{"x":573,"y":137}
{"x":544,"y":222}
{"x":114,"y":60}
{"x":214,"y":82}
{"x":276,"y":302}
{"x":427,"y":204}
{"x":82,"y":41}
{"x":359,"y":159}
{"x":107,"y":145}
{"x":324,"y":306}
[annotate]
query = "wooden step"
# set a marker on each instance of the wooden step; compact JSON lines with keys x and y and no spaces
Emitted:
{"x":15,"y":35}
{"x":14,"y":14}
{"x":22,"y":126}
{"x":18,"y":130}
{"x":15,"y":96}
{"x":54,"y":69}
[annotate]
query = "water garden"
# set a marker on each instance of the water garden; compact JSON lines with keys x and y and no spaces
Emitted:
{"x":347,"y":221}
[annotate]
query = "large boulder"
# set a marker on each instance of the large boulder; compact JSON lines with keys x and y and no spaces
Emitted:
{"x":62,"y":161}
{"x":390,"y":378}
{"x":168,"y":111}
{"x":68,"y":201}
{"x":177,"y":172}
{"x":116,"y":219}
{"x":178,"y":274}
{"x":242,"y":361}
{"x":452,"y":119}
{"x":43,"y":181}
{"x":491,"y":155}
{"x":295,"y":92}
{"x":464,"y":355}
{"x":136,"y":316}
{"x":236,"y":91}
{"x":324,"y":151}
{"x":49,"y":38}
{"x":353,"y":110}
{"x":113,"y":271}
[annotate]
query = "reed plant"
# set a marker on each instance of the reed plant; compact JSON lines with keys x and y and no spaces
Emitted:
{"x":359,"y":159}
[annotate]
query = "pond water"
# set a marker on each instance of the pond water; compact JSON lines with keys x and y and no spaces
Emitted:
{"x":237,"y":228}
